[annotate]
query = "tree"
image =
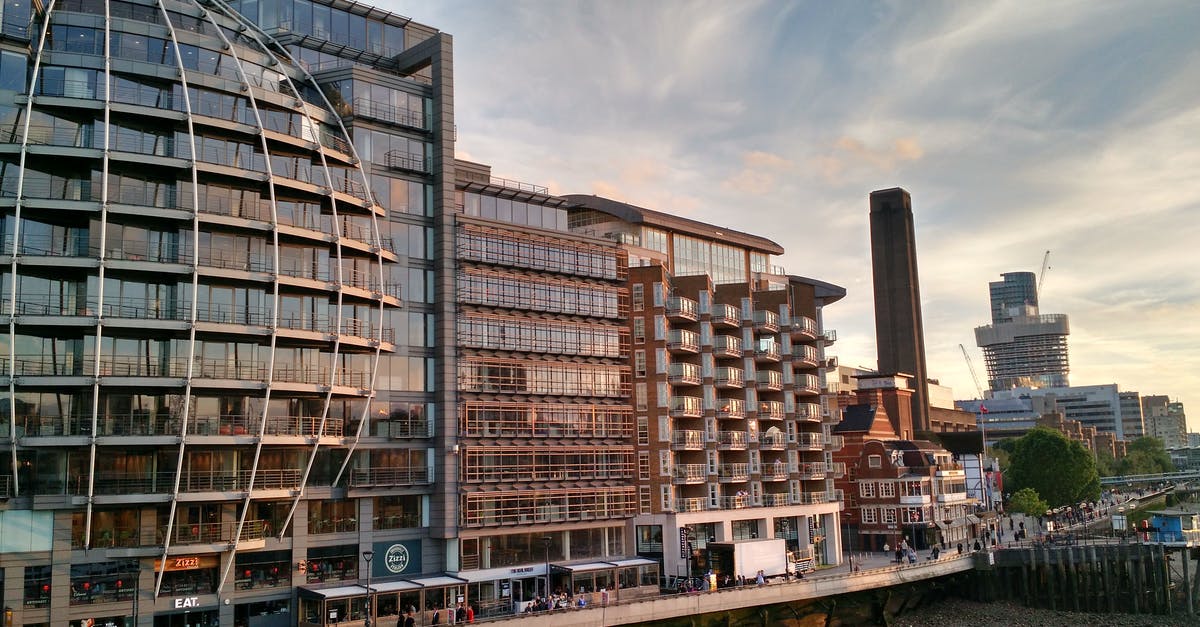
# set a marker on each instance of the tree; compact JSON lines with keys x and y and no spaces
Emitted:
{"x":1145,"y":456}
{"x":1061,"y":471}
{"x":1027,"y":501}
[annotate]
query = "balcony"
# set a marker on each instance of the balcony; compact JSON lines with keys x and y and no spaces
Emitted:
{"x":771,"y":442}
{"x":816,"y":498}
{"x":728,"y":378}
{"x":777,"y":471}
{"x":805,"y":355}
{"x":739,"y":501}
{"x":766,"y":349}
{"x":733,"y":473}
{"x":808,"y":384}
{"x":684,"y":374}
{"x":952,"y":497}
{"x":407,"y":161}
{"x":687,"y":406}
{"x":127,"y":483}
{"x":687,"y":440}
{"x":813,"y":470}
{"x":689,"y":473}
{"x":727,"y":346}
{"x":830,"y":336}
{"x":239,"y":480}
{"x":769,"y":380}
{"x":217,"y":533}
{"x":915,"y":499}
{"x":389,"y":477}
{"x":770,"y":410}
{"x":680,"y":308}
{"x":766,"y":321}
{"x":834,"y":442}
{"x":808,"y":412}
{"x":731,"y":408}
{"x":305,"y":426}
{"x":698,"y":504}
{"x":810,"y":441}
{"x":803,"y":327}
{"x":731,"y":440}
{"x":776,"y":500}
{"x":683,"y":341}
{"x":726,"y":316}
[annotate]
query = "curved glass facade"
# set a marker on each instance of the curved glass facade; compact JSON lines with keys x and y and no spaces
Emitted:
{"x":194,"y":284}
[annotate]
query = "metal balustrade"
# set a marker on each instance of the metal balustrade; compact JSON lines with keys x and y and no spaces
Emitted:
{"x":408,"y":161}
{"x":731,"y":408}
{"x":766,"y":321}
{"x":727,"y":346}
{"x":682,"y":308}
{"x":368,"y":108}
{"x":389,"y":476}
{"x":726,"y":315}
{"x":731,"y":440}
{"x":217,"y":532}
{"x":736,"y":473}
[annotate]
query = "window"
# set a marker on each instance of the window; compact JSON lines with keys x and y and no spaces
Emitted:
{"x":644,"y":465}
{"x":644,"y":499}
{"x":870,"y":515}
{"x":637,"y":295}
{"x":867,"y":489}
{"x":639,"y":330}
{"x":639,"y":363}
{"x":643,"y":431}
{"x":889,"y":515}
{"x":887,"y":489}
{"x":639,"y":396}
{"x":874,"y":461}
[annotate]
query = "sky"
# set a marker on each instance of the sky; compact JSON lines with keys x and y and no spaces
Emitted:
{"x":1018,"y":127}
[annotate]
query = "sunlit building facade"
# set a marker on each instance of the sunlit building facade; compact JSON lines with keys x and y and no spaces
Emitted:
{"x":733,"y":433}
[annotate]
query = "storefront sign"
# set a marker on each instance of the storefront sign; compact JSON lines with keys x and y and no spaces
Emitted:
{"x":522,"y":570}
{"x":186,"y":602}
{"x":396,"y":558}
{"x":188,"y":562}
{"x":683,"y":543}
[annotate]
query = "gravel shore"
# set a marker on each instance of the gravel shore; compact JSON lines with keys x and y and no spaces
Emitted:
{"x":952,"y":612}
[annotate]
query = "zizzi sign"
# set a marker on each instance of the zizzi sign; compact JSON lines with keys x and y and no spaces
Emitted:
{"x":396,"y":558}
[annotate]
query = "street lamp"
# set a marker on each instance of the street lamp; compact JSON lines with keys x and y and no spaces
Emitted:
{"x":849,"y":543}
{"x":546,"y":540}
{"x":787,"y":563}
{"x":367,"y":555}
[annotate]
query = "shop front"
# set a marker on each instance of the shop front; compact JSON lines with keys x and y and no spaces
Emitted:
{"x":504,"y":591}
{"x":346,"y":606}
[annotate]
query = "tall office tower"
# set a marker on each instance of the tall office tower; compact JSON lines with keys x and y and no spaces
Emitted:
{"x":547,"y":465}
{"x":213,"y":394}
{"x":1131,"y":415}
{"x":1022,"y":348}
{"x":899,"y":332}
{"x":732,"y":435}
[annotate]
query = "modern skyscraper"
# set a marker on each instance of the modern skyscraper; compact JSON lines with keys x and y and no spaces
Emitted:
{"x":1022,"y":347}
{"x":1131,"y":415}
{"x":899,"y":332}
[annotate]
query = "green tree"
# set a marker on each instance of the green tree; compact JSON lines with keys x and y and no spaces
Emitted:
{"x":1061,"y":471}
{"x":1144,"y":456}
{"x":1027,"y":501}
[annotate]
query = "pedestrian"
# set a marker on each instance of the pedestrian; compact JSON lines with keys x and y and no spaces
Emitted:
{"x":470,"y":613}
{"x":886,"y":549}
{"x":460,"y":614}
{"x":960,"y":549}
{"x":760,"y":579}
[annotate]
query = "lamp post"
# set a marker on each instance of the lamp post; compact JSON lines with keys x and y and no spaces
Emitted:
{"x":367,"y":555}
{"x":787,"y":564}
{"x":546,"y":540}
{"x":849,"y":543}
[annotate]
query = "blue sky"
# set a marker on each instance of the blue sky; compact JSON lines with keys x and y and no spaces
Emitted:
{"x":1018,"y":127}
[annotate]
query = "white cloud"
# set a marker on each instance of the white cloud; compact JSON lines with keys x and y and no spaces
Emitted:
{"x":1018,"y":127}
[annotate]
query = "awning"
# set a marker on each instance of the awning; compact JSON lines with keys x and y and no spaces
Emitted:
{"x":637,"y":561}
{"x":941,"y":525}
{"x":496,"y":574}
{"x":437,"y":582}
{"x":339,"y":592}
{"x":585,"y":568}
{"x":973,"y":519}
{"x":394,"y":586}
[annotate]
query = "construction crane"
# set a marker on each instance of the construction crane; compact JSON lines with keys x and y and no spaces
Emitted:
{"x":1041,"y":278}
{"x":983,"y":480}
{"x":971,"y":367}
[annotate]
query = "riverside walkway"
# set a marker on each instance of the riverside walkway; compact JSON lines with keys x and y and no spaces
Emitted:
{"x":872,"y":571}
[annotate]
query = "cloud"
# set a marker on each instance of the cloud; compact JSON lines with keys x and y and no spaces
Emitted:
{"x":1017,"y":128}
